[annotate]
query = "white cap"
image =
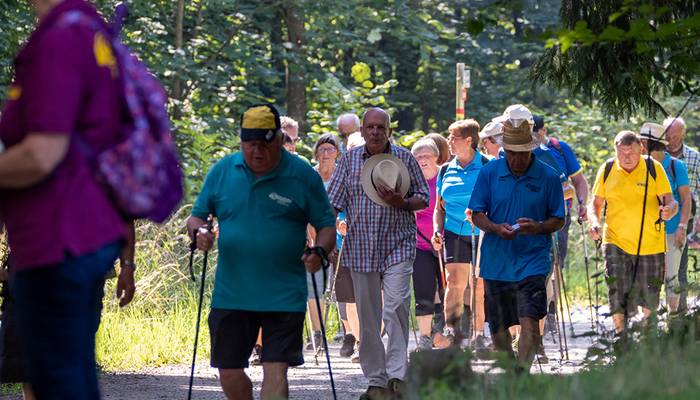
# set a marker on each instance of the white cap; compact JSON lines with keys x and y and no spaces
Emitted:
{"x":517,"y":113}
{"x":493,"y":128}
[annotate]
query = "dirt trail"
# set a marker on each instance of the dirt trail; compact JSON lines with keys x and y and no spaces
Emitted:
{"x":310,"y":381}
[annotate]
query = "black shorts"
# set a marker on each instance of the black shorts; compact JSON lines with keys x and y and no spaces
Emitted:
{"x":458,"y":249}
{"x":426,"y":281}
{"x":234,"y":332}
{"x":507,"y":302}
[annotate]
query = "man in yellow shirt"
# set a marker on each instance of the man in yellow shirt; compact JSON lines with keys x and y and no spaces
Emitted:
{"x":621,"y":184}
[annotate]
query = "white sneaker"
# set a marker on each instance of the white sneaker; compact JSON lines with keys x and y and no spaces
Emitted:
{"x":355,"y":357}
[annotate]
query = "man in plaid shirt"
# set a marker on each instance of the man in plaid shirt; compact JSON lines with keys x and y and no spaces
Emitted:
{"x":379,"y":249}
{"x":675,"y":135}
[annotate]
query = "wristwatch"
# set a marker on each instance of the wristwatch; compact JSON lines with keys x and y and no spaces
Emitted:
{"x":127,"y":264}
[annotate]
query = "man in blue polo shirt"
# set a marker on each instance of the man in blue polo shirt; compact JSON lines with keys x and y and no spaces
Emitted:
{"x":518,"y":202}
{"x":263,"y":198}
{"x":575,"y":185}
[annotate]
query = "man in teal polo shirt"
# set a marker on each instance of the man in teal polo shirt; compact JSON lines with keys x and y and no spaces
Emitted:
{"x":263,"y":198}
{"x":518,"y":202}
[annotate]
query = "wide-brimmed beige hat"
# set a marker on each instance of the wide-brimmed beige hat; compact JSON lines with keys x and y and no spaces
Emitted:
{"x":652,"y":131}
{"x":387,"y":170}
{"x":518,"y":138}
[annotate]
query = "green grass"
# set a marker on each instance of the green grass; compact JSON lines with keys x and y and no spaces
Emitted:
{"x":658,"y":366}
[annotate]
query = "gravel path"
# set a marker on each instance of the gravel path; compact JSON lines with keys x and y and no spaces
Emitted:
{"x":310,"y":381}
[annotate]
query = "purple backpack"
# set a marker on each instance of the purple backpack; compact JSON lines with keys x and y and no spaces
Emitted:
{"x":141,"y":173}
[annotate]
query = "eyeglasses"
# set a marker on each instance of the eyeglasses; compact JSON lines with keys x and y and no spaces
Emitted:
{"x":327,"y":150}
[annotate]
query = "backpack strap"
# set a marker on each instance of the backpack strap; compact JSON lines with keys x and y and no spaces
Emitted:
{"x":608,"y":168}
{"x":650,"y":166}
{"x":441,"y":173}
{"x":673,"y":169}
{"x":557,"y":145}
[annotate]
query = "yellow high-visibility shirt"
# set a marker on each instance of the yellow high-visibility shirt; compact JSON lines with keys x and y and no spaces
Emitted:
{"x":624,"y":193}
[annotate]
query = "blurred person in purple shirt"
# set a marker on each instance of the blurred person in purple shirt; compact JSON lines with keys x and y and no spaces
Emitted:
{"x":64,"y":232}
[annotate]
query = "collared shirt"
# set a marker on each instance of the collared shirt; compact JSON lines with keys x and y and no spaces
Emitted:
{"x":624,"y":194}
{"x":456,"y":187}
{"x":377,"y":236}
{"x":64,"y":84}
{"x":424,"y":219}
{"x":565,"y":157}
{"x":262,"y":231}
{"x":678,"y":177}
{"x":505,"y":198}
{"x":691,"y":158}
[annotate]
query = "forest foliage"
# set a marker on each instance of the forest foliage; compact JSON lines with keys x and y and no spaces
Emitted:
{"x":318,"y":59}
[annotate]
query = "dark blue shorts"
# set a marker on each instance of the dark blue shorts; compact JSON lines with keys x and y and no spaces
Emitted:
{"x":58,"y":313}
{"x":507,"y":302}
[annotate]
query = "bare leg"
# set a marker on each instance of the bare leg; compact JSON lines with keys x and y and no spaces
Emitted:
{"x":502,"y":341}
{"x":27,"y":392}
{"x":479,"y":307}
{"x":275,"y":385}
{"x":313,"y":314}
{"x":259,"y":341}
{"x":353,"y":320}
{"x":425,"y":324}
{"x":455,"y":292}
{"x":236,"y":384}
{"x":529,"y":341}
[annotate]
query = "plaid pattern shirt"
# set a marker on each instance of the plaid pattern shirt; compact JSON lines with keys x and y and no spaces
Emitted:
{"x":691,"y":158}
{"x":377,"y":237}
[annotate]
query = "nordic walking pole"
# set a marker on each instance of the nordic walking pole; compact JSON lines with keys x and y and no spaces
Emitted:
{"x":324,"y":261}
{"x":472,"y":300}
{"x":561,"y":303}
{"x":560,"y":271}
{"x":193,"y":247}
{"x":410,"y":319}
{"x":588,"y":276}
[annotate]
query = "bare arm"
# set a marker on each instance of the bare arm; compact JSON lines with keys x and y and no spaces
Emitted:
{"x":125,"y":282}
{"x":325,"y":237}
{"x":595,"y":213}
{"x":505,"y":231}
{"x":581,"y":187}
{"x":32,"y":159}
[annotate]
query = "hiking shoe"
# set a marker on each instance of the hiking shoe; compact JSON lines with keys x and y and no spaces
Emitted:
{"x":348,"y":345}
{"x":257,"y":351}
{"x":397,"y":387}
{"x":449,"y":335}
{"x":424,"y":343}
{"x":317,"y":341}
{"x":480,"y":349}
{"x":355,"y":357}
{"x":339,"y":337}
{"x":541,"y":355}
{"x":440,"y":341}
{"x":376,"y":393}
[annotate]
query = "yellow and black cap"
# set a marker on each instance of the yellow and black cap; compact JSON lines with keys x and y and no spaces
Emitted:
{"x":260,"y":122}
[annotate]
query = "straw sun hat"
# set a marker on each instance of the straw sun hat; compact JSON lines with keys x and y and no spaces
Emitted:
{"x":387,"y":170}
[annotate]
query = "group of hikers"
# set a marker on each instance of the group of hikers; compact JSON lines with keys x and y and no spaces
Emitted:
{"x":474,"y":225}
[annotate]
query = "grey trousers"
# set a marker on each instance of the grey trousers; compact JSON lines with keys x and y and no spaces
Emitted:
{"x":380,"y":365}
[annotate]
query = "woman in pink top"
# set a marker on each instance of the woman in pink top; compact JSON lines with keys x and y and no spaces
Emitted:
{"x":426,"y":267}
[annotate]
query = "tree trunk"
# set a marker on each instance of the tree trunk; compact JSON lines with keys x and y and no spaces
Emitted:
{"x":295,"y":72}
